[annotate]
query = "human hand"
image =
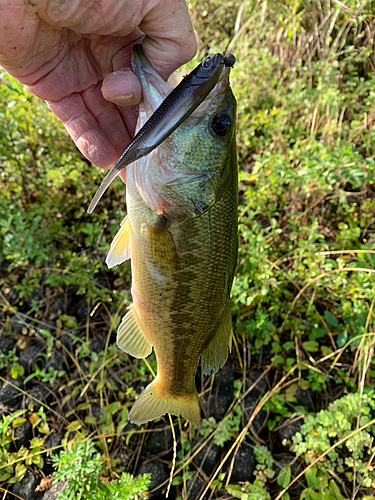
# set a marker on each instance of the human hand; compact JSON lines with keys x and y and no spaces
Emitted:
{"x":76,"y":56}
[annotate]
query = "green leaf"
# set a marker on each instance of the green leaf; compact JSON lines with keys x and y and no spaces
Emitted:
{"x":283,"y":479}
{"x":17,"y":413}
{"x":82,"y":406}
{"x":17,"y":422}
{"x":36,"y":442}
{"x":38,"y":461}
{"x":113,"y":407}
{"x":312,"y":480}
{"x":235,"y":491}
{"x":325,"y":350}
{"x":311,"y":345}
{"x":20,"y":471}
{"x":176,"y":480}
{"x":331,"y":319}
{"x":128,"y":436}
{"x":4,"y":476}
{"x":342,"y":339}
{"x":43,"y":428}
{"x":90,"y":420}
{"x":271,"y":424}
{"x":17,"y":370}
{"x":335,"y":490}
{"x":305,"y":493}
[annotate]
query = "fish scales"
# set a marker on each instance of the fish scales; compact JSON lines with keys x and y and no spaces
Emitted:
{"x":182,"y":226}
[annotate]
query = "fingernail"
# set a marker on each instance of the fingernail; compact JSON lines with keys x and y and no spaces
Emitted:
{"x":123,"y":100}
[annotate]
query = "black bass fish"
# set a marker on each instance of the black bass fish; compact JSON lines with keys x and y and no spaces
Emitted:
{"x":181,"y":236}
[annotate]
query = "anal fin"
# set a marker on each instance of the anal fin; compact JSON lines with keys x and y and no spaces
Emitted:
{"x":130,"y":337}
{"x":120,"y":246}
{"x":216,"y":353}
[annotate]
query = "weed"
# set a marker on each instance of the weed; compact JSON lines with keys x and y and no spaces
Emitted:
{"x":321,"y":430}
{"x":10,"y":361}
{"x":14,"y":462}
{"x":264,"y":471}
{"x":227,"y":428}
{"x":50,"y":376}
{"x":254,"y":491}
{"x":320,"y":486}
{"x":265,"y":461}
{"x":81,"y":468}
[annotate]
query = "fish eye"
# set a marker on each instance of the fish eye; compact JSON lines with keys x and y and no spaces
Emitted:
{"x":221,"y":124}
{"x":207,"y":63}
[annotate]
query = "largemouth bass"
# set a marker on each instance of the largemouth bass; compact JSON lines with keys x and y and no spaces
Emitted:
{"x":181,"y":236}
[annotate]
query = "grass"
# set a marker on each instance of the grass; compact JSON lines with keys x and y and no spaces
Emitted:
{"x":304,"y":291}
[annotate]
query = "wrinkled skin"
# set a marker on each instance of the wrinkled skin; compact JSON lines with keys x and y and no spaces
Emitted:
{"x":76,"y":56}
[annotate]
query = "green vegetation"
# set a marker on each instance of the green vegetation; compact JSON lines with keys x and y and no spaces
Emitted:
{"x":342,"y":417}
{"x":14,"y":463}
{"x":304,"y":291}
{"x":81,"y":466}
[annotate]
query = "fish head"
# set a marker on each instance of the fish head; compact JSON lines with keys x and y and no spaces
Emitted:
{"x":201,"y":155}
{"x":189,"y":171}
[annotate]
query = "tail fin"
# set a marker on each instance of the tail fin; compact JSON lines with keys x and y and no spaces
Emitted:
{"x":152,"y":403}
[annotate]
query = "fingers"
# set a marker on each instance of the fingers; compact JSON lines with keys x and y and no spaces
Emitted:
{"x":96,"y":126}
{"x":170,"y":40}
{"x":169,"y":43}
{"x":122,"y":88}
{"x":109,"y":118}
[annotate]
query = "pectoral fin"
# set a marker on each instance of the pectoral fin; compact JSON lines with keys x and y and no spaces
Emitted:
{"x":161,"y":244}
{"x":120,"y":246}
{"x":130,"y":337}
{"x":216,"y":353}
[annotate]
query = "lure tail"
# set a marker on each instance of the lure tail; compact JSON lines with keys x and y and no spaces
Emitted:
{"x":154,"y":402}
